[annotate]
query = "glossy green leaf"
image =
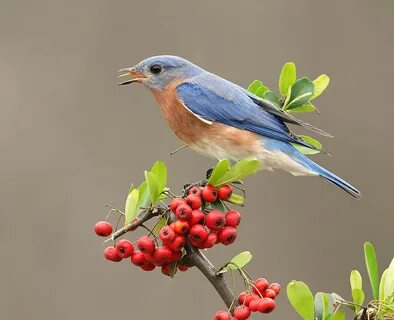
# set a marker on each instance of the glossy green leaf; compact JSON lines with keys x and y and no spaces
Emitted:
{"x":308,"y":107}
{"x":261,"y":91}
{"x":218,"y":205}
{"x":131,"y":206}
{"x":301,"y":298}
{"x":358,"y":297}
{"x":287,"y":77}
{"x":372,"y":267}
{"x":159,"y":169}
{"x":236,"y":199}
{"x":152,"y":186}
{"x":238,"y":262}
{"x":311,"y":141}
{"x":272,"y":97}
{"x":382,"y":285}
{"x":144,"y":196}
{"x":329,"y":316}
{"x":356,"y":281}
{"x":338,"y":315}
{"x":254,"y":86}
{"x":386,"y":288}
{"x":160,"y":224}
{"x":321,"y":305}
{"x":239,"y":171}
{"x":320,"y":83}
{"x":301,"y":91}
{"x":218,"y":171}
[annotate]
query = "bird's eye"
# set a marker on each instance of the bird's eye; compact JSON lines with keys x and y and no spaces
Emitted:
{"x":155,"y":69}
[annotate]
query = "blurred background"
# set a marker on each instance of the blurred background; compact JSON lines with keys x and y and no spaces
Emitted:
{"x":72,"y":140}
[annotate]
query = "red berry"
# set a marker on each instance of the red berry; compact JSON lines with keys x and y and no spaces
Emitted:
{"x":241,"y":312}
{"x":103,"y":229}
{"x":148,"y":267}
{"x":275,"y":286}
{"x":183,"y":212}
{"x":224,"y":192}
{"x":222,"y":315}
{"x":124,"y":248}
{"x":166,"y":234}
{"x":194,"y":190}
{"x":195,"y":243}
{"x":227,"y":235}
{"x":198,"y":233}
{"x":261,"y":285}
{"x":233,"y":218}
{"x":146,"y":245}
{"x":181,"y":227}
{"x":266,"y":305}
{"x":211,"y":240}
{"x":253,"y":305}
{"x":165,"y":269}
{"x":209,"y":193}
{"x":183,"y":268}
{"x":177,"y":244}
{"x":176,"y":256}
{"x":194,"y":201}
{"x":138,"y":258}
{"x":162,"y":254}
{"x":215,"y":220}
{"x":175,"y":203}
{"x":269,"y":293}
{"x":246,"y":297}
{"x":198,"y":217}
{"x":111,"y":254}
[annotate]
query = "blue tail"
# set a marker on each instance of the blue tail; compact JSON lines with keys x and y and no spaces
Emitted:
{"x":308,"y":163}
{"x":327,"y":175}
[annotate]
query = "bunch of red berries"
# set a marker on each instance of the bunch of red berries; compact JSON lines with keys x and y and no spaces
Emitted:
{"x":203,"y":227}
{"x":260,"y":299}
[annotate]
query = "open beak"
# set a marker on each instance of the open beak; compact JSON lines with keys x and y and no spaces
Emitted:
{"x":136,"y":76}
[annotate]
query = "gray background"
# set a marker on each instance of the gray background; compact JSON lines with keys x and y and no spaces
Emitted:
{"x":71,"y":140}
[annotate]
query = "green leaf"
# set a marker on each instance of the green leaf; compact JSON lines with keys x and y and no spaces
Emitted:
{"x":173,"y":269}
{"x":238,"y":262}
{"x":240,"y":170}
{"x":320,"y":83}
{"x":308,"y":107}
{"x":160,"y":224}
{"x":131,"y":206}
{"x":301,"y":91}
{"x":358,"y":297}
{"x":159,"y":169}
{"x":236,"y":199}
{"x":321,"y":305}
{"x":254,"y":86}
{"x":311,"y":141}
{"x":287,"y":77}
{"x":386,"y":288}
{"x":152,"y":186}
{"x":261,"y":90}
{"x":218,"y":205}
{"x":356,"y":281}
{"x":372,"y":267}
{"x":339,"y":315}
{"x":144,"y":196}
{"x":219,"y":171}
{"x":272,"y":97}
{"x":301,"y":298}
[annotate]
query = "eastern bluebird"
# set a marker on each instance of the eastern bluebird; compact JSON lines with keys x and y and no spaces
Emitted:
{"x":220,"y":119}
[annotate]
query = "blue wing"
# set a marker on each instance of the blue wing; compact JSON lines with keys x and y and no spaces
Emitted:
{"x":218,"y":100}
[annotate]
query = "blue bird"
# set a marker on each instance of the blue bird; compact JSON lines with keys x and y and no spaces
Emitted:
{"x":220,"y":119}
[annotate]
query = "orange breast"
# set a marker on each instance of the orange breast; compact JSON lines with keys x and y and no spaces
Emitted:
{"x":216,"y":139}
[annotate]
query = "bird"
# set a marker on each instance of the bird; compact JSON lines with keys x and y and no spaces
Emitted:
{"x":221,"y":120}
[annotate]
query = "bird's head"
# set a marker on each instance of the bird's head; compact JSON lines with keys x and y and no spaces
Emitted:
{"x":159,"y":71}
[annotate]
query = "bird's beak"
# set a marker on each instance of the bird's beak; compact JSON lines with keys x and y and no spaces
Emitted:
{"x":136,"y":76}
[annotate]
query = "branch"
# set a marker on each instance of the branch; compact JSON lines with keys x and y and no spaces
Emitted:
{"x":149,"y":214}
{"x":196,"y":258}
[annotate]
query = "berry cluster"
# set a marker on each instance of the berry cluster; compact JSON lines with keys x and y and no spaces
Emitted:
{"x":193,"y":222}
{"x":260,"y":299}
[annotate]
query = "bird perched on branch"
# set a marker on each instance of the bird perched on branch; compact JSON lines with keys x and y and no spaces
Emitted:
{"x":220,"y":119}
